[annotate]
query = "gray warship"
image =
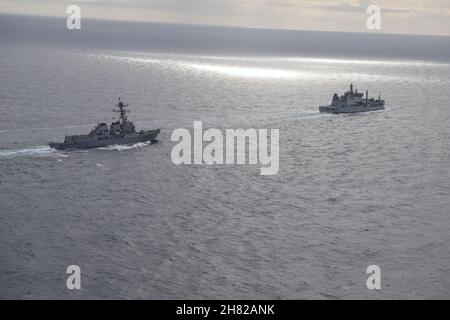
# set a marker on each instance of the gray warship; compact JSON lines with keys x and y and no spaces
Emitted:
{"x":120,"y":132}
{"x":353,"y":101}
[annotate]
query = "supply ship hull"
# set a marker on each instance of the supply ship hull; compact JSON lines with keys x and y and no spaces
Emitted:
{"x":351,"y":109}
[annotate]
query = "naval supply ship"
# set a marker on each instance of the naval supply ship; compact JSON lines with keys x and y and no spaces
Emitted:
{"x":120,"y":132}
{"x":353,"y":101}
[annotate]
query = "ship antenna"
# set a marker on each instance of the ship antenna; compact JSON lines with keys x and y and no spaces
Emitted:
{"x":122,"y":110}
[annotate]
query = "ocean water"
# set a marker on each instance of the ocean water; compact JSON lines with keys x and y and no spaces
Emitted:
{"x":352,"y":190}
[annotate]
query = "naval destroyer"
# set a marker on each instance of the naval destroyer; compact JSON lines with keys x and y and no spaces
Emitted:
{"x":122,"y":132}
{"x":353,"y":101}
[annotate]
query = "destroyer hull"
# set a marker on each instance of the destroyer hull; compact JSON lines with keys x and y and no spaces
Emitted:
{"x":94,"y":142}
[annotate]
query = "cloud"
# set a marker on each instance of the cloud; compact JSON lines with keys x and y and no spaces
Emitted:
{"x":400,"y":16}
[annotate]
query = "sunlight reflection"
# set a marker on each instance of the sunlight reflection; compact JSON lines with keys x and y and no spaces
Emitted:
{"x":296,"y":68}
{"x":244,"y":71}
{"x":367,"y":62}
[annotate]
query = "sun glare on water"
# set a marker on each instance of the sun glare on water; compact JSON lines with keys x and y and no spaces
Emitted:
{"x":244,"y":71}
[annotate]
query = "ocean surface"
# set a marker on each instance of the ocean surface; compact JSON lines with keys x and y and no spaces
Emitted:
{"x":352,"y":190}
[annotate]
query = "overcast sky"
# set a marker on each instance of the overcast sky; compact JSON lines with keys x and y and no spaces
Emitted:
{"x":399,"y":16}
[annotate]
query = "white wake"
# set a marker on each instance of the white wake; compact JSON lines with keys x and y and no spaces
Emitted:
{"x":121,"y":147}
{"x":35,"y":151}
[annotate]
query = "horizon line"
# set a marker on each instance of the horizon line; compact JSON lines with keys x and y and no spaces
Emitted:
{"x":231,"y":27}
